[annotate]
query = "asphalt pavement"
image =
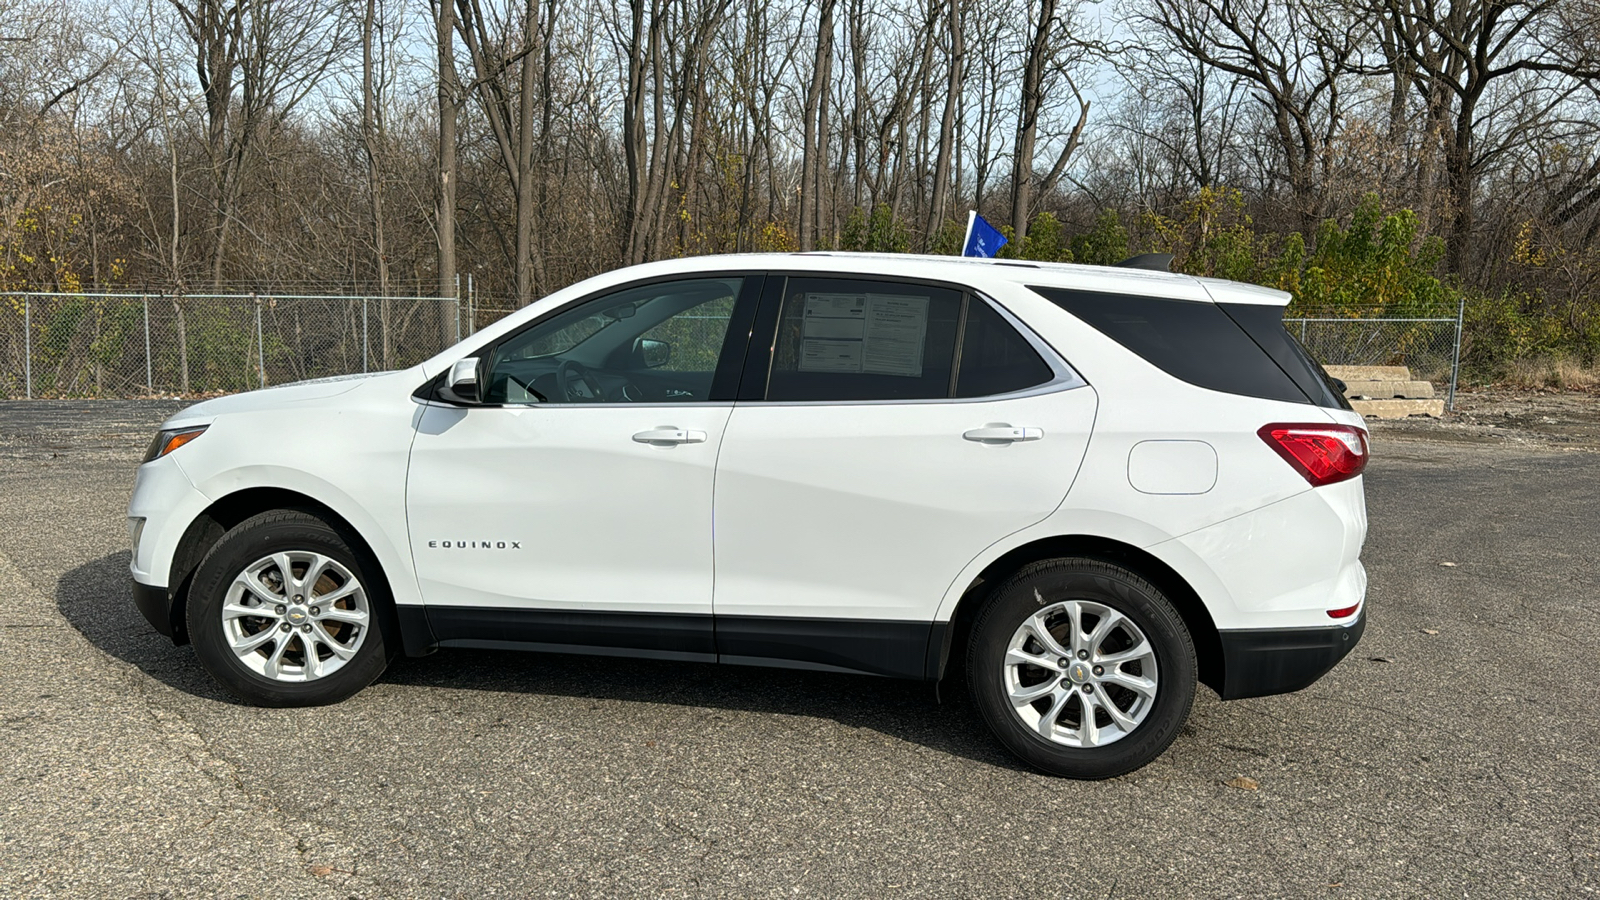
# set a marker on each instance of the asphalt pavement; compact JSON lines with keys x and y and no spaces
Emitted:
{"x":1453,"y":754}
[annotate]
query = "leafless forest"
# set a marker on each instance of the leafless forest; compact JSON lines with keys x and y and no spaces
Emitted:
{"x":1361,"y":153}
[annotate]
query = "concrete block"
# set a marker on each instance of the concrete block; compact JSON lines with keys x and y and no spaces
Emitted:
{"x":1398,"y":409}
{"x":1369,"y":373}
{"x":1388,"y":390}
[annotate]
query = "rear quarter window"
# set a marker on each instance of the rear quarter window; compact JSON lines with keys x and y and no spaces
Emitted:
{"x":1193,"y":341}
{"x":1264,"y":324}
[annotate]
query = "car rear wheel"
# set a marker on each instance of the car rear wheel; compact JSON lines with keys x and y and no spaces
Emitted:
{"x":1082,"y":668}
{"x":285,"y":611}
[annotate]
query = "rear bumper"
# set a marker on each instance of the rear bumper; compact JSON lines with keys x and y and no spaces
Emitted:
{"x":1259,"y":662}
{"x":155,"y":604}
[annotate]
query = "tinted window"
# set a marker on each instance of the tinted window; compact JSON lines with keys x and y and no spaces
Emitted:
{"x":1197,"y":342}
{"x":844,"y":339}
{"x":1264,"y":324}
{"x":693,"y":338}
{"x":995,"y":359}
{"x":655,"y":343}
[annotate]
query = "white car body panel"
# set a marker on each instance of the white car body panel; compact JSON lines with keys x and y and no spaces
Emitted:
{"x":603,"y":522}
{"x":345,"y":444}
{"x":805,"y":491}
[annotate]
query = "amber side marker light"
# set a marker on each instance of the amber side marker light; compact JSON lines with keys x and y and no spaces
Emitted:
{"x":168,"y":441}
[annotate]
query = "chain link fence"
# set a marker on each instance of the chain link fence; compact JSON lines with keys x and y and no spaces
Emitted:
{"x":1429,"y":348}
{"x":135,"y":345}
{"x":132,"y":345}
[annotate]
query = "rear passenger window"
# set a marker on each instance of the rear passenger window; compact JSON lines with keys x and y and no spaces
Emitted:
{"x":995,"y":359}
{"x":843,"y":339}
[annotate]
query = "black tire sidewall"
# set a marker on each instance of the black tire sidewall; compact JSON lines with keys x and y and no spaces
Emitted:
{"x":1121,"y":589}
{"x":248,"y":542}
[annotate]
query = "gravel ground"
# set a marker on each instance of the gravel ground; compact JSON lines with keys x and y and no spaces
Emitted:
{"x":1451,"y":755}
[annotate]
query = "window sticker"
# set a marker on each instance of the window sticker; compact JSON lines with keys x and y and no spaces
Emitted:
{"x":830,"y":356}
{"x":873,"y":334}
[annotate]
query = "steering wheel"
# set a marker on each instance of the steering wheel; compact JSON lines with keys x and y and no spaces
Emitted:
{"x":568,"y":374}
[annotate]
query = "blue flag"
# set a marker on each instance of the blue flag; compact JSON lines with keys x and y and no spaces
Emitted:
{"x":982,"y":238}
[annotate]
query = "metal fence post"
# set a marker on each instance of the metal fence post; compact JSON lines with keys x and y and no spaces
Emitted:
{"x":472,"y":307}
{"x":458,"y":307}
{"x":1455,"y":361}
{"x":363,"y":334}
{"x":149,"y":370}
{"x":261,"y":353}
{"x":27,"y":347}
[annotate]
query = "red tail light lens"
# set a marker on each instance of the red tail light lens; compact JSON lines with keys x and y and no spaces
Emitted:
{"x":1324,"y":454}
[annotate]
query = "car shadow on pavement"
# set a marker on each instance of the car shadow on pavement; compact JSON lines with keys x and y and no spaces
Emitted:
{"x":96,"y":600}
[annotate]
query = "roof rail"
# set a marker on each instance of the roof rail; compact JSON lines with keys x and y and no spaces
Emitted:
{"x":1157,"y":262}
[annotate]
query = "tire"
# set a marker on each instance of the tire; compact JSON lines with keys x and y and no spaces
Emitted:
{"x":1143,"y":665}
{"x":310,"y":642}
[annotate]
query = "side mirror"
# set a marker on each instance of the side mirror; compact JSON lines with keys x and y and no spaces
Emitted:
{"x":653,"y":354}
{"x":461,"y":385}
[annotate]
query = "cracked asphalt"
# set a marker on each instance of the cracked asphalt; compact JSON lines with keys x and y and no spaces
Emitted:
{"x":1453,"y":754}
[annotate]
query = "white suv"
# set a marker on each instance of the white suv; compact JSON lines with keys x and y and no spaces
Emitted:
{"x":1085,"y":488}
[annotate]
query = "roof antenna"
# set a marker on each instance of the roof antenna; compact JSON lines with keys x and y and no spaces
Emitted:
{"x":1156,"y":262}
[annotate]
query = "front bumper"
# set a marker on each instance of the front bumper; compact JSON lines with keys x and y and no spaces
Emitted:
{"x":155,"y":604}
{"x":1259,"y":662}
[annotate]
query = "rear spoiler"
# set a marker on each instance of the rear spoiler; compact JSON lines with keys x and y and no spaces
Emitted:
{"x":1157,"y":262}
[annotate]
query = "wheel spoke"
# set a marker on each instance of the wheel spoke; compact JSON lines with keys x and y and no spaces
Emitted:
{"x":291,"y":585}
{"x":1142,"y":686}
{"x":308,"y":645}
{"x":1020,"y":657}
{"x":1109,"y":620}
{"x":252,"y":642}
{"x":327,"y":640}
{"x":314,"y":570}
{"x":1036,"y":625}
{"x":240,"y":611}
{"x":1122,"y":719}
{"x":1047,"y":723}
{"x":1138,"y":651}
{"x":1088,"y":731}
{"x":1074,"y":611}
{"x":339,"y":593}
{"x":1023,"y":696}
{"x":252,"y":582}
{"x":271,"y":668}
{"x":353,"y":616}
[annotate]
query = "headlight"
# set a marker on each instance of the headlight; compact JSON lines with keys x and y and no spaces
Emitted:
{"x":170,"y":440}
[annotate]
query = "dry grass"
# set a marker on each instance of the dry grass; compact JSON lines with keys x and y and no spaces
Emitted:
{"x":1554,"y":372}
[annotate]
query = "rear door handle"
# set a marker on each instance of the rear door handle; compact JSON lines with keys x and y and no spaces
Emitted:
{"x":668,"y":434}
{"x":1003,"y":434}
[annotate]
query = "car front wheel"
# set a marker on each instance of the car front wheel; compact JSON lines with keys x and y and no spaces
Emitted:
{"x":1082,"y":668}
{"x":284,"y":611}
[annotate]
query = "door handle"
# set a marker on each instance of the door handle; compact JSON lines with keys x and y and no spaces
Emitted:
{"x":668,"y":434}
{"x":1003,"y":434}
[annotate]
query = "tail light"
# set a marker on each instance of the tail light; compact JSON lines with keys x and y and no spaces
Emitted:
{"x":1324,"y":454}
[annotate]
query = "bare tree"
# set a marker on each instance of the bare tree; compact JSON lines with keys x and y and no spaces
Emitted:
{"x":1461,"y":53}
{"x":1052,"y":50}
{"x":1295,"y":55}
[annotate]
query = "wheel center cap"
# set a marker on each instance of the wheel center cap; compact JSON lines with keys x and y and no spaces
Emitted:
{"x":1079,"y":672}
{"x":297,"y":615}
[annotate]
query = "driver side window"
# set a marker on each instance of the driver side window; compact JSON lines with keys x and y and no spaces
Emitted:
{"x":655,"y":343}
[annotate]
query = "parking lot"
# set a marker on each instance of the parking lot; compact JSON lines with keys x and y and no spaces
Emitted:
{"x":1452,"y":754}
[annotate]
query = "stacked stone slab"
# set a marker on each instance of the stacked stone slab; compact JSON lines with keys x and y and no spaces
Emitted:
{"x":1387,"y":392}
